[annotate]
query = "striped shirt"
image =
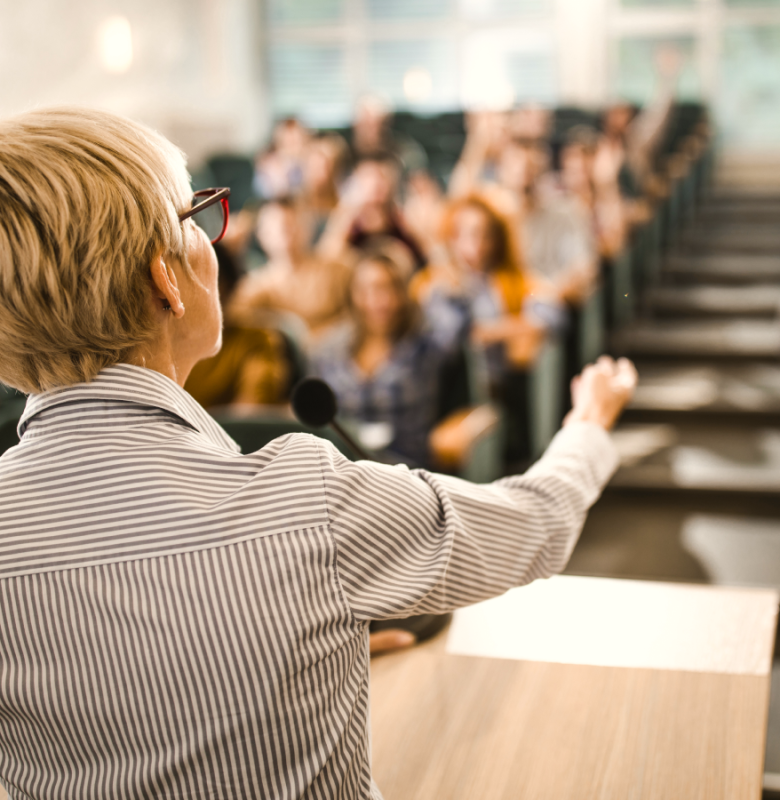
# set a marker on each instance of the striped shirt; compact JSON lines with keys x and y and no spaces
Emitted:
{"x":179,"y":620}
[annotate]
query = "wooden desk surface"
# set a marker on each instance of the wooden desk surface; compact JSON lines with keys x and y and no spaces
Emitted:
{"x":454,"y":726}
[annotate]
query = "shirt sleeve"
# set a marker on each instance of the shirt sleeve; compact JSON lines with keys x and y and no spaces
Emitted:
{"x":415,"y":542}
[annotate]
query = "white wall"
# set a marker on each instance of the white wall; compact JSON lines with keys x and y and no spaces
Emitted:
{"x":196,"y":74}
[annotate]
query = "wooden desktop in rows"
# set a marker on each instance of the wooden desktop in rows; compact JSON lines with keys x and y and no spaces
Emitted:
{"x":692,"y":725}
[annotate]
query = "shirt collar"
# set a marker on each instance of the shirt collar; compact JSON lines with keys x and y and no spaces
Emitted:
{"x":137,"y":385}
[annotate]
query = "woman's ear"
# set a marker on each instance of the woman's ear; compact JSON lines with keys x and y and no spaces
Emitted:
{"x":165,"y":287}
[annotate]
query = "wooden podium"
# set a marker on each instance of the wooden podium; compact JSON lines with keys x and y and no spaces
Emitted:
{"x":579,"y":688}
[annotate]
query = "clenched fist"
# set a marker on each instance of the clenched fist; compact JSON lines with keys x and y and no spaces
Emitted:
{"x":602,"y":391}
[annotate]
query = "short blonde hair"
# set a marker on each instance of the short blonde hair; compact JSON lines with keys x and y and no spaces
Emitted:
{"x":88,"y":199}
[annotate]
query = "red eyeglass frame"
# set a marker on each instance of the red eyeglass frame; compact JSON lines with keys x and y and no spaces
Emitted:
{"x":212,"y":196}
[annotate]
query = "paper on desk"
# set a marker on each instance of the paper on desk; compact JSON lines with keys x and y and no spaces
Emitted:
{"x":618,"y":623}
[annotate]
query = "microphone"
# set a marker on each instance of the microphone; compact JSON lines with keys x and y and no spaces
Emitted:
{"x":315,"y":405}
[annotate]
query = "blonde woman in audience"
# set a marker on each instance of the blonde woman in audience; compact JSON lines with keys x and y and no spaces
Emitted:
{"x":295,"y":280}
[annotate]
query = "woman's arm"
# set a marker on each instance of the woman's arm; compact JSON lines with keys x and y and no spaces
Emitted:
{"x":416,"y":542}
{"x":466,"y":174}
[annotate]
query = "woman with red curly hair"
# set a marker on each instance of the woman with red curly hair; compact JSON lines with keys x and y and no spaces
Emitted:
{"x":482,"y":285}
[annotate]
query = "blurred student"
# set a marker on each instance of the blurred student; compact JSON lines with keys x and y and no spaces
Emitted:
{"x":481,"y":285}
{"x":423,"y":211}
{"x":634,"y":137}
{"x":384,"y":363}
{"x":279,"y":168}
{"x":372,"y":135}
{"x":487,"y":133}
{"x":323,"y":167}
{"x":369,"y":211}
{"x":252,"y":368}
{"x":295,"y":280}
{"x":590,"y":177}
{"x":532,"y":122}
{"x":485,"y":279}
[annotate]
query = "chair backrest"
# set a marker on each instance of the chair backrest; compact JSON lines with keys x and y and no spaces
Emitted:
{"x":11,"y":409}
{"x":463,"y":382}
{"x":544,"y":395}
{"x":238,"y":173}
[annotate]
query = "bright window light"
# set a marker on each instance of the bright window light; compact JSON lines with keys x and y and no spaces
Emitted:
{"x":115,"y":44}
{"x":418,"y":85}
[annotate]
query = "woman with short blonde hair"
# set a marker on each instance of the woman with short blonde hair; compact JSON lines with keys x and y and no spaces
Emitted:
{"x":178,"y":619}
{"x":89,"y":200}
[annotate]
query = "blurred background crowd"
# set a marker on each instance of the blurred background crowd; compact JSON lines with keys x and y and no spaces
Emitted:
{"x":440,"y":206}
{"x":417,"y":286}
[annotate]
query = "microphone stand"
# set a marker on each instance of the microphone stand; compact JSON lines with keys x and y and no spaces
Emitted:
{"x":315,"y":405}
{"x":359,"y":451}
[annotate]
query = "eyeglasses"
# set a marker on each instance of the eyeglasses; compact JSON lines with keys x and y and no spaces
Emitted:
{"x":210,"y":212}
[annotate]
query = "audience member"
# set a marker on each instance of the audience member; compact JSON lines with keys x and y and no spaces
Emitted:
{"x":532,"y":123}
{"x":252,"y":367}
{"x":487,"y":134}
{"x":615,"y":124}
{"x":635,"y":136}
{"x":560,"y":246}
{"x":295,"y":280}
{"x":482,"y":284}
{"x":423,"y":211}
{"x":372,"y":136}
{"x":323,"y":167}
{"x":384,"y":363}
{"x":589,"y":175}
{"x":279,"y":168}
{"x":369,"y":210}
